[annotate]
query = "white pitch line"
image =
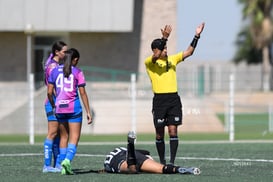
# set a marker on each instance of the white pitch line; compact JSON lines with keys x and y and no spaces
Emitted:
{"x":225,"y":159}
{"x":183,"y":158}
{"x":20,"y":155}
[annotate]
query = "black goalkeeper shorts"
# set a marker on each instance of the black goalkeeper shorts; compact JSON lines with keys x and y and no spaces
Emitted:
{"x":115,"y":158}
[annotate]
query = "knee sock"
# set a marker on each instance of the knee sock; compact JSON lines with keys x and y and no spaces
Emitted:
{"x":55,"y":149}
{"x":71,"y":151}
{"x":131,"y":155}
{"x":47,"y":152}
{"x":61,"y":157}
{"x":173,"y":148}
{"x":160,"y":146}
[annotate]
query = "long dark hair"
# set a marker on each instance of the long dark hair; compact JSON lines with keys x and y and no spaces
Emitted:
{"x":70,"y":54}
{"x":57,"y":46}
{"x":75,"y":53}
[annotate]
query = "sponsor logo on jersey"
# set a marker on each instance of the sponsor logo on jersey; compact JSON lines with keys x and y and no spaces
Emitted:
{"x":160,"y":120}
{"x":63,"y":101}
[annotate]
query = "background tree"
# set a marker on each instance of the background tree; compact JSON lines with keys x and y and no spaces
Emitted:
{"x":246,"y":51}
{"x":254,"y":41}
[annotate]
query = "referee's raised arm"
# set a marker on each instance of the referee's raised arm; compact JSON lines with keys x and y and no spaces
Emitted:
{"x":189,"y":51}
{"x":160,"y":44}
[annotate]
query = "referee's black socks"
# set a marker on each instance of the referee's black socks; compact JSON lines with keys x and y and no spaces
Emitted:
{"x":160,"y":146}
{"x":173,"y":148}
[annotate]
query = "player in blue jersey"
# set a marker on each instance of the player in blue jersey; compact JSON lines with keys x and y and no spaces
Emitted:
{"x":66,"y":80}
{"x":131,"y":161}
{"x":51,"y":143}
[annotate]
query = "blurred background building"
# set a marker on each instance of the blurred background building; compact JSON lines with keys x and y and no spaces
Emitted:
{"x":106,"y":32}
{"x":113,"y":37}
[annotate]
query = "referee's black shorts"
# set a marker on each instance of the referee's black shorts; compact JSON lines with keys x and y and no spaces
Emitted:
{"x":167,"y":109}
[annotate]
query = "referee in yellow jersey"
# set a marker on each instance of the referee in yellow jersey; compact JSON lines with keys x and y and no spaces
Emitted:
{"x":167,"y":107}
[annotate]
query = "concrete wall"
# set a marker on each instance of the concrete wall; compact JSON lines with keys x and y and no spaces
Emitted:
{"x":67,"y":15}
{"x":157,"y":14}
{"x":115,"y":50}
{"x":13,"y":56}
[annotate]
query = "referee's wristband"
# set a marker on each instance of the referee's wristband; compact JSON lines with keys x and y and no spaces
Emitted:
{"x":164,"y":39}
{"x":195,"y":41}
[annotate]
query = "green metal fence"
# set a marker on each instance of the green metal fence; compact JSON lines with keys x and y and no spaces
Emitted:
{"x":105,"y":74}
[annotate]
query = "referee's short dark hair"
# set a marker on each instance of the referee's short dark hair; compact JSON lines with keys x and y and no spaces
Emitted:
{"x":156,"y":44}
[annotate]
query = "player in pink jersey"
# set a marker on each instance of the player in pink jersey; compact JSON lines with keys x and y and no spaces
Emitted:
{"x":66,"y":80}
{"x":51,"y":143}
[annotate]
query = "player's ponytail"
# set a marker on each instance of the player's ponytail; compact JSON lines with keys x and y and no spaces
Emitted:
{"x":75,"y":53}
{"x":67,"y":63}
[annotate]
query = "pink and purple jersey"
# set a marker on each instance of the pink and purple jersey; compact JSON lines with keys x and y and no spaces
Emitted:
{"x":48,"y":67}
{"x":67,"y":98}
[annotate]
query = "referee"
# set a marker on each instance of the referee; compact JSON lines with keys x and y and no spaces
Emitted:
{"x":167,"y":107}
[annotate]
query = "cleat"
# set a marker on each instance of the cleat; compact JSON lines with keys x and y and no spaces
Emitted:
{"x":191,"y":170}
{"x":58,"y":168}
{"x":49,"y":169}
{"x":66,"y":167}
{"x":131,"y":137}
{"x":63,"y":172}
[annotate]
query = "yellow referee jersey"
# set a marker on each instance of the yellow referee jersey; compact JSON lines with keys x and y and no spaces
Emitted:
{"x":162,"y":73}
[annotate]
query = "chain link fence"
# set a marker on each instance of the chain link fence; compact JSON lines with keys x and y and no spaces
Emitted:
{"x":203,"y":89}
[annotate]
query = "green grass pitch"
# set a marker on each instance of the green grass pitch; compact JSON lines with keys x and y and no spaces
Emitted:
{"x":249,"y":158}
{"x":217,"y":161}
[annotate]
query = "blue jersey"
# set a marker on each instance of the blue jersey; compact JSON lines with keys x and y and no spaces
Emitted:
{"x":67,"y":98}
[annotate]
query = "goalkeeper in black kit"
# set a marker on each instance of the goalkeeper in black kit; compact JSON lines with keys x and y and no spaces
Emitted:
{"x":131,"y":161}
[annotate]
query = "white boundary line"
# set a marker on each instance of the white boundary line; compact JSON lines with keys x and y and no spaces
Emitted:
{"x":183,"y":158}
{"x":225,"y":159}
{"x":181,"y":142}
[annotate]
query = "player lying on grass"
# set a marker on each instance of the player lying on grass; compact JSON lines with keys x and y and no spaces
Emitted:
{"x":131,"y":161}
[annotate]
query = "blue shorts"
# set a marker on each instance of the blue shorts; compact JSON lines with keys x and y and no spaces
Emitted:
{"x":70,"y":117}
{"x":49,"y":113}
